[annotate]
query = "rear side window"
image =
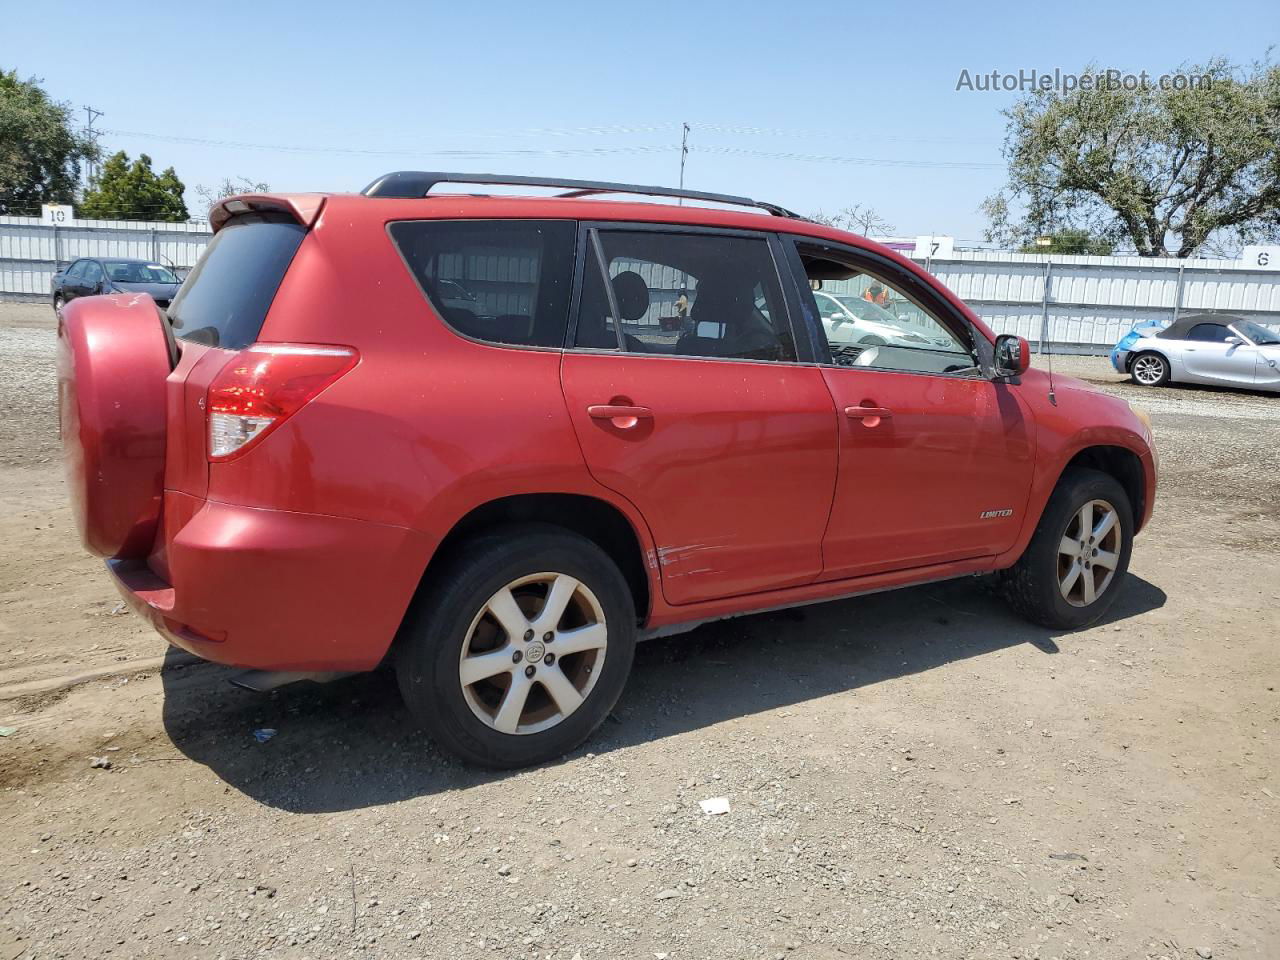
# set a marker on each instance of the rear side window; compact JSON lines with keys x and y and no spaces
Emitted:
{"x":225,"y":299}
{"x":502,"y":281}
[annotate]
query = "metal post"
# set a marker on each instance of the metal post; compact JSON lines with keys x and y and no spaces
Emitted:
{"x":57,"y":249}
{"x":1177,"y":293}
{"x":155,"y":246}
{"x":1044,"y":306}
{"x":684,"y":152}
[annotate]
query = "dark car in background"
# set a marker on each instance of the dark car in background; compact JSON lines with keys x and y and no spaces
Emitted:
{"x":89,"y":276}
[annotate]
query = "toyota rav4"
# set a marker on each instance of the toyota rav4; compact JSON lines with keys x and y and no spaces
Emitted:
{"x":495,"y":440}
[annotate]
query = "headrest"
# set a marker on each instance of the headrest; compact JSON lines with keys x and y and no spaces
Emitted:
{"x":632,"y":293}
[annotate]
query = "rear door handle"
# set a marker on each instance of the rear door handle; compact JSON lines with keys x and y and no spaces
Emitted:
{"x":622,"y":416}
{"x":867,"y":413}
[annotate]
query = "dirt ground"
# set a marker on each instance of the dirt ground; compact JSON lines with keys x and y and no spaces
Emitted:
{"x":912,"y":774}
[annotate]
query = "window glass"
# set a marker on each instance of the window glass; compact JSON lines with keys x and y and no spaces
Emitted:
{"x":1257,"y":332}
{"x":1212,"y":332}
{"x":76,"y":270}
{"x":504,"y":281}
{"x":130,"y":271}
{"x":686,"y":294}
{"x":91,"y":272}
{"x":226,"y":297}
{"x":869,"y":322}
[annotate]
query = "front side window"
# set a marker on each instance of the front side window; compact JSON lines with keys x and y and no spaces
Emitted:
{"x":128,"y":271}
{"x":1209,"y":332}
{"x":501,"y":281}
{"x":91,"y":272}
{"x":684,"y":294}
{"x":871,"y":322}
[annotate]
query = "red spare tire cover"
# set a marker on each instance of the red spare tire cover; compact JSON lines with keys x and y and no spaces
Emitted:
{"x":114,"y":355}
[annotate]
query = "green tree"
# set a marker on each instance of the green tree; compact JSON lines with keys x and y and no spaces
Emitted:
{"x":133,"y":191}
{"x":40,"y":155}
{"x":1074,"y":241}
{"x":1166,"y":168}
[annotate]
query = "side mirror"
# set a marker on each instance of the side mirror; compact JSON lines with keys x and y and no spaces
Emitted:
{"x":1234,"y":341}
{"x":1013,"y":355}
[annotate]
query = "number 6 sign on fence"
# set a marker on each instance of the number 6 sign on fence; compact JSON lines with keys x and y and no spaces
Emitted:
{"x":1261,"y":258}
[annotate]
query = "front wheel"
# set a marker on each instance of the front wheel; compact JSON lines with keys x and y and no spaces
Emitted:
{"x":58,"y":303}
{"x":1070,"y":573}
{"x":519,"y":646}
{"x":1150,"y":370}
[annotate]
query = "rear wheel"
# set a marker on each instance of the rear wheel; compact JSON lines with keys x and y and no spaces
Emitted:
{"x":58,"y":303}
{"x":519,"y":647}
{"x":1070,"y":573}
{"x":1150,"y":370}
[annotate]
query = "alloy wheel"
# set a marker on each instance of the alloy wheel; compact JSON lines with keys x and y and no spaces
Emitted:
{"x":1089,"y":553}
{"x":533,"y":653}
{"x":1148,"y":371}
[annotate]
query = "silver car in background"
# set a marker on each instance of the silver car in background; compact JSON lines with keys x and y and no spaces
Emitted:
{"x":1205,"y":348}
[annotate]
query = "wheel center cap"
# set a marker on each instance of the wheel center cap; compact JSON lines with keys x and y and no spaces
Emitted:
{"x":534,"y":651}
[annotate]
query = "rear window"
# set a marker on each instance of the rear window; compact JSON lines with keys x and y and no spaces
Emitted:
{"x":502,"y":281}
{"x":225,"y":299}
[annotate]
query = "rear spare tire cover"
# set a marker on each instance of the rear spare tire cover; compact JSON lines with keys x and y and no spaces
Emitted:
{"x":113,"y":362}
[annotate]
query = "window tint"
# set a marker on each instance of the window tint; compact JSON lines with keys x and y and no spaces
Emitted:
{"x":1213,"y":332}
{"x":91,"y":271}
{"x":870,"y":322}
{"x":226,"y":297}
{"x":686,"y":294}
{"x":504,"y":281}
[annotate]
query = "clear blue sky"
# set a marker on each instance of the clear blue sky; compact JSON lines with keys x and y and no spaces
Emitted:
{"x":598,"y":90}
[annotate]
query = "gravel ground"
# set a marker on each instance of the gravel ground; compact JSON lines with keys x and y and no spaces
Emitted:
{"x":909,"y":774}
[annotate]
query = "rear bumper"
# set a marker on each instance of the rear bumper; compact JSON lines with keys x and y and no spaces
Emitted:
{"x":276,"y":590}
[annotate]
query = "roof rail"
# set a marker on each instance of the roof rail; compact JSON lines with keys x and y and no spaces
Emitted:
{"x":416,"y":183}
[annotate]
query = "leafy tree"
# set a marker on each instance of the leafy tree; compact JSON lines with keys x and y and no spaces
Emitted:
{"x":1165,"y":168}
{"x":40,"y":155}
{"x":132,"y":191}
{"x":1074,"y":241}
{"x":856,"y":219}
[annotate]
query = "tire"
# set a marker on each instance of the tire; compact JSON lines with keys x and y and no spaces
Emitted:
{"x":1149,"y":370}
{"x":453,"y":619}
{"x":1040,"y":585}
{"x":58,"y":303}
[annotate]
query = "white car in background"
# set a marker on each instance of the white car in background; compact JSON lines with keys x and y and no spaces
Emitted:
{"x":1204,"y":348}
{"x":851,"y":319}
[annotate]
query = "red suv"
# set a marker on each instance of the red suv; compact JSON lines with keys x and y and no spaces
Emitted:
{"x":496,"y":440}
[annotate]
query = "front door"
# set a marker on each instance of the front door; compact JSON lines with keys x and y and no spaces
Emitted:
{"x":688,"y":398}
{"x":935,"y":458}
{"x":1215,"y":354}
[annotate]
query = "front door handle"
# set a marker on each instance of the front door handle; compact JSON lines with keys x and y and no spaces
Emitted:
{"x":868,"y":412}
{"x":870,"y":416}
{"x":622,"y":416}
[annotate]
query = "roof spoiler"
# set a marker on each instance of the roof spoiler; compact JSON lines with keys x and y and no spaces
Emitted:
{"x":303,"y":207}
{"x":406,"y":184}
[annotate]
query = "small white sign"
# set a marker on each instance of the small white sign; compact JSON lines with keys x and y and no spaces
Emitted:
{"x":57,"y":214}
{"x":929,"y":247}
{"x":1261,"y":258}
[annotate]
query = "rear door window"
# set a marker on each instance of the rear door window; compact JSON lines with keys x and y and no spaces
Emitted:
{"x":500,"y":281}
{"x":685,"y":294}
{"x":225,"y":299}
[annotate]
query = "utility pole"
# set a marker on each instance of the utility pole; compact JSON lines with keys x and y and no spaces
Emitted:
{"x":684,"y":152}
{"x":91,"y":115}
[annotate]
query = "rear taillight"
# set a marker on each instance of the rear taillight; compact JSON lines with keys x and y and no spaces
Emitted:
{"x":264,"y":385}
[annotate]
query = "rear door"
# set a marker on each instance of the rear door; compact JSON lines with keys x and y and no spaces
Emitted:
{"x":689,"y":398}
{"x":935,"y":458}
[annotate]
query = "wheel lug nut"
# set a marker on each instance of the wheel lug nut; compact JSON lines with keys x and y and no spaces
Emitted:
{"x":548,"y":637}
{"x":516,"y":656}
{"x":529,"y":671}
{"x":549,"y":659}
{"x":528,"y":635}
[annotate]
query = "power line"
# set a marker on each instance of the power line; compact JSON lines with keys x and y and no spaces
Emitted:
{"x":857,"y":161}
